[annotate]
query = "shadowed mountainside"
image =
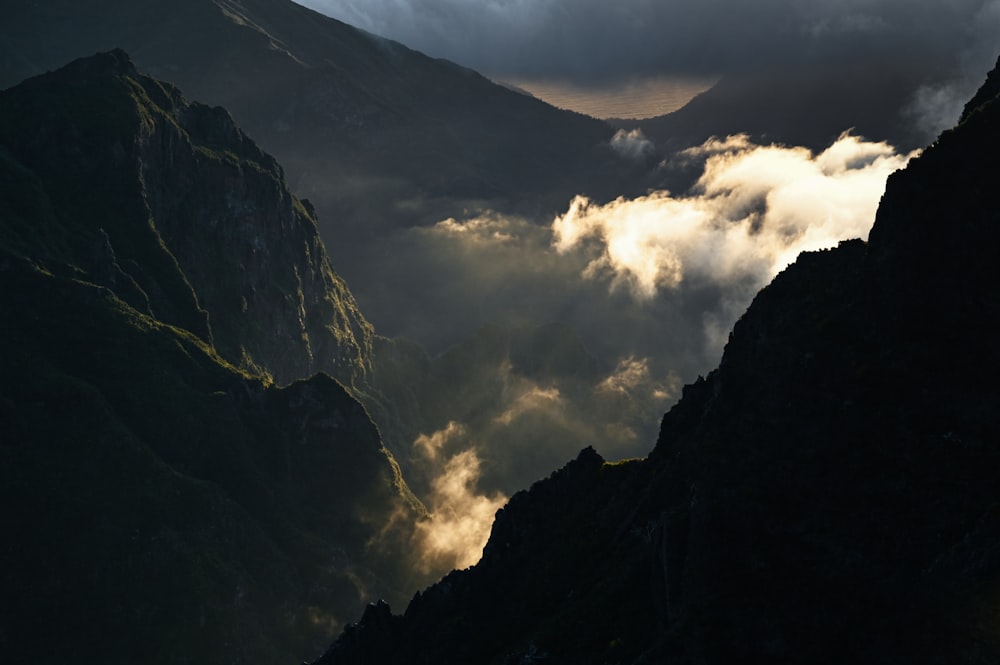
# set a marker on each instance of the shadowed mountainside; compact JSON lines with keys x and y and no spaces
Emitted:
{"x":349,"y":115}
{"x":827,"y":495}
{"x":800,"y":106}
{"x":172,"y":207}
{"x":163,"y":500}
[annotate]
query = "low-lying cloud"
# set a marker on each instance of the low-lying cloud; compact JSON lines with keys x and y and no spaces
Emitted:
{"x":754,"y":209}
{"x":460,"y":516}
{"x":632,"y":144}
{"x":580,"y":328}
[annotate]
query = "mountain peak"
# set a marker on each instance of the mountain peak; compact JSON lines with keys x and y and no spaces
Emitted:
{"x":115,"y":62}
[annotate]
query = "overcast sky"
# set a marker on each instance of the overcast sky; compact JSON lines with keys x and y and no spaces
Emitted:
{"x":600,"y":41}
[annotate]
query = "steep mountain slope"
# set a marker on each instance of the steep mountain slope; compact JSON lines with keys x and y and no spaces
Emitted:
{"x":348,"y":114}
{"x":171,"y":206}
{"x":163,"y":501}
{"x":827,"y":495}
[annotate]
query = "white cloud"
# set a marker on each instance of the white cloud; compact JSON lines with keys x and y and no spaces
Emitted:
{"x":754,"y":209}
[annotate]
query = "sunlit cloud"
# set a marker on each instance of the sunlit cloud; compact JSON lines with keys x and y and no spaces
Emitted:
{"x":633,"y":375}
{"x":629,"y":374}
{"x":460,"y":521}
{"x":535,"y":399}
{"x":754,"y":209}
{"x":489,"y":227}
{"x":431,"y":444}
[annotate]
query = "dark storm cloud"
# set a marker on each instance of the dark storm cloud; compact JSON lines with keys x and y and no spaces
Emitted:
{"x":595,"y":40}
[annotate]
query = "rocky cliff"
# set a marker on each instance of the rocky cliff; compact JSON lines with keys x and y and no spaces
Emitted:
{"x":168,"y":204}
{"x":827,"y":495}
{"x":163,"y":500}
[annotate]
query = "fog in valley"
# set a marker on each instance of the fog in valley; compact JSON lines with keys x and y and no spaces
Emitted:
{"x":521,"y":341}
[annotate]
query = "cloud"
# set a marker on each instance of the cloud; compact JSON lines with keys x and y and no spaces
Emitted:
{"x":632,"y":375}
{"x":754,"y":209}
{"x":937,"y":106}
{"x":592,"y":40}
{"x":556,"y":331}
{"x":534,"y":399}
{"x":460,"y":521}
{"x":632,"y":144}
{"x":431,"y":444}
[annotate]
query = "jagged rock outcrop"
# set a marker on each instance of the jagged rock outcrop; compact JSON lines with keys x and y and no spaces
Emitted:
{"x":827,"y":495}
{"x":177,"y":211}
{"x":164,"y":501}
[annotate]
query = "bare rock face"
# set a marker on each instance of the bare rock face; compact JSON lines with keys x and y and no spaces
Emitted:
{"x":827,"y":495}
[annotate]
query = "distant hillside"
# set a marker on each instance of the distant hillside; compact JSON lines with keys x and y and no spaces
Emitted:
{"x":349,"y":115}
{"x":827,"y":495}
{"x":799,"y":106}
{"x":164,"y":501}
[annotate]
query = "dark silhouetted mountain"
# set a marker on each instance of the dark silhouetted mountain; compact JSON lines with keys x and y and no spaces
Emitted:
{"x":164,"y":501}
{"x":827,"y":495}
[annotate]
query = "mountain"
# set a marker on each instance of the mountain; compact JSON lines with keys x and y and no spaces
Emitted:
{"x":224,"y":235}
{"x":798,"y":105}
{"x":376,"y":135}
{"x":827,"y":495}
{"x":164,"y":499}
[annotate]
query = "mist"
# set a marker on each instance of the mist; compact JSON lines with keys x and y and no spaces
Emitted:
{"x":538,"y":337}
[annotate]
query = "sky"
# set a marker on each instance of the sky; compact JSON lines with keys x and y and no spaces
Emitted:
{"x":604,"y":46}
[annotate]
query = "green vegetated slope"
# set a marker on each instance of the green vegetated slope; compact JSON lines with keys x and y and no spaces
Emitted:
{"x":827,"y":495}
{"x":163,"y":500}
